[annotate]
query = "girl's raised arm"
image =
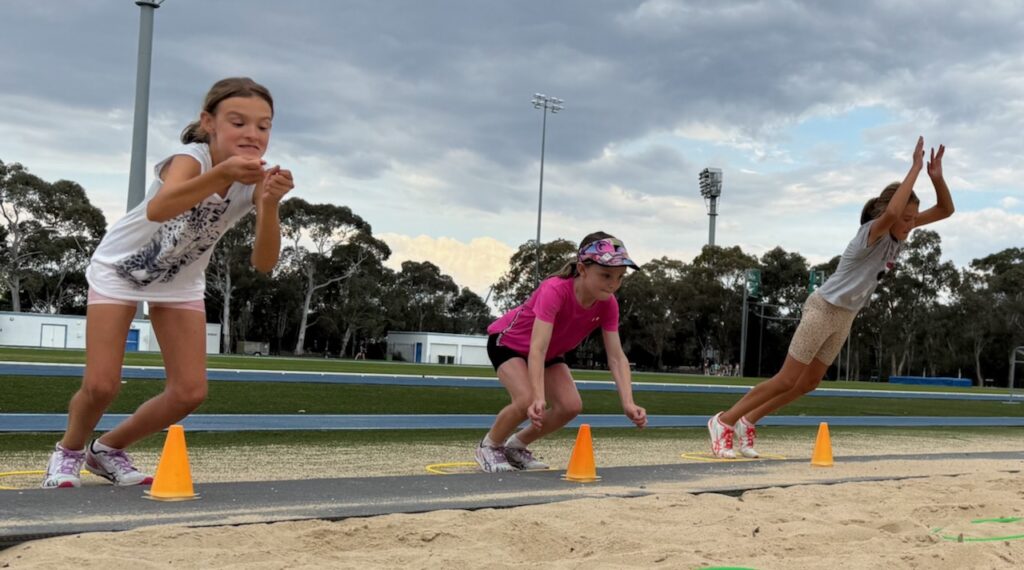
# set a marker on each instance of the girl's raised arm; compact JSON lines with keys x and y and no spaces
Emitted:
{"x":944,"y":207}
{"x":899,"y":200}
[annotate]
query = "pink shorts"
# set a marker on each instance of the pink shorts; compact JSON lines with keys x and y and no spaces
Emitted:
{"x":198,"y":305}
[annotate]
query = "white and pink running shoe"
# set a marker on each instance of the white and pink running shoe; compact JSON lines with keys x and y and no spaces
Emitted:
{"x":721,"y":437}
{"x":746,"y":433}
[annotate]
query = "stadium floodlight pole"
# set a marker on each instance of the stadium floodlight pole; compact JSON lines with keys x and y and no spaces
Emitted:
{"x":553,"y":104}
{"x":711,"y":189}
{"x":137,"y":174}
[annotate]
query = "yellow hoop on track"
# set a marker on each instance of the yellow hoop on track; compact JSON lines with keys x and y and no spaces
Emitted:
{"x":453,"y":468}
{"x":15,"y":474}
{"x":462,"y":468}
{"x":709,"y":458}
{"x":23,"y":473}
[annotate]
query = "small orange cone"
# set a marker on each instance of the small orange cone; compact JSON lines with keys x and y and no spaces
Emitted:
{"x":173,"y":480}
{"x":581,"y":464}
{"x":822,"y":456}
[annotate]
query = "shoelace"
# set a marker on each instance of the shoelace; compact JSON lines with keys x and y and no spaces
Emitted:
{"x":71,"y":463}
{"x":749,"y":435}
{"x":121,"y":460}
{"x":496,"y":452}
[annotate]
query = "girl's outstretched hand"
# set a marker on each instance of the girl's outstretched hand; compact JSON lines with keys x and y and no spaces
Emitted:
{"x":935,"y":164}
{"x":636,"y":414}
{"x":276,"y":183}
{"x":919,"y":153}
{"x":243,"y":169}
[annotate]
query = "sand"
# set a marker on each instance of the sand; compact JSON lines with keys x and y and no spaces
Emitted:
{"x":794,"y":519}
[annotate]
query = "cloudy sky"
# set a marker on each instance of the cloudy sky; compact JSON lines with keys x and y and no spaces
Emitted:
{"x":417,"y":114}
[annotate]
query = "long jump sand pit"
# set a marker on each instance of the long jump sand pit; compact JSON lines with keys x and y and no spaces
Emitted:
{"x":936,"y":512}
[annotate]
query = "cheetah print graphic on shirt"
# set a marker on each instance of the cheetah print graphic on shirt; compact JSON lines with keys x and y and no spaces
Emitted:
{"x":177,"y":243}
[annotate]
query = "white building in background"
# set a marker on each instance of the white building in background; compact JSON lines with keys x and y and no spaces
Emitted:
{"x":40,"y":330}
{"x":438,"y":348}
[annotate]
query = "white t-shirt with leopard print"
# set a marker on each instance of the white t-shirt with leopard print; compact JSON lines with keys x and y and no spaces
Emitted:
{"x":142,"y":260}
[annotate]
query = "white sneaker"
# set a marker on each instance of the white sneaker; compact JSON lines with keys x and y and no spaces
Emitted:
{"x":746,"y":433}
{"x":64,"y":469}
{"x":114,"y":466}
{"x":492,"y":459}
{"x":522,"y":459}
{"x":721,"y":437}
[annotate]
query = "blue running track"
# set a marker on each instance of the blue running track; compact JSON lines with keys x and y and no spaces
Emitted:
{"x":157,"y":373}
{"x":282,"y":422}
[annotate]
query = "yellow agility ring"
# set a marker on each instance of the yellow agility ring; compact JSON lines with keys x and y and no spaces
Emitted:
{"x":453,"y":468}
{"x":461,"y":468}
{"x":17,"y":474}
{"x":710,"y":458}
{"x":24,"y":473}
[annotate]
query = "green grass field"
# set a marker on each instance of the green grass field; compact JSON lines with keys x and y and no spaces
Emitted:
{"x":34,"y":394}
{"x":380,"y":367}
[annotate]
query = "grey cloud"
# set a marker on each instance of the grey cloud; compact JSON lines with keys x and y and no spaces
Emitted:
{"x":371,"y":86}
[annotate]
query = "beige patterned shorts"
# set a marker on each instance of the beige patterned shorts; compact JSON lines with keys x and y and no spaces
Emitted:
{"x":822,"y":331}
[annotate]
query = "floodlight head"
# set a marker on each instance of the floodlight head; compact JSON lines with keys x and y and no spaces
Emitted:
{"x":710,"y":182}
{"x":554,"y":104}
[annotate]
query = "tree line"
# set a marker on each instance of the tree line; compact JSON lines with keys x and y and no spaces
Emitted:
{"x":332,"y":293}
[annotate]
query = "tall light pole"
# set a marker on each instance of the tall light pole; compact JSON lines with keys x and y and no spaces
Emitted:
{"x":711,"y":189}
{"x":553,"y":104}
{"x":137,"y":174}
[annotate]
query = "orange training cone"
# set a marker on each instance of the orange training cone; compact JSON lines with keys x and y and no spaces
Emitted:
{"x":822,"y":448}
{"x":173,"y":480}
{"x":581,"y":464}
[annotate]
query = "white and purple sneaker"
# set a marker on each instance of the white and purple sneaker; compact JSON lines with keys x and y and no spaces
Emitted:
{"x":522,"y":459}
{"x":115,"y":466}
{"x":64,"y":469}
{"x":492,"y":459}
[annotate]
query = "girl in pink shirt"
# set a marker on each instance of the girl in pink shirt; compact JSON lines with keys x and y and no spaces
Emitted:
{"x":528,"y":344}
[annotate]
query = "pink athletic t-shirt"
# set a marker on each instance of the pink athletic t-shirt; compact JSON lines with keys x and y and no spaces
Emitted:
{"x":555,"y":302}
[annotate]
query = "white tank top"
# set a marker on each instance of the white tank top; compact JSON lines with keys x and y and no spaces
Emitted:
{"x":142,"y":260}
{"x":860,"y":268}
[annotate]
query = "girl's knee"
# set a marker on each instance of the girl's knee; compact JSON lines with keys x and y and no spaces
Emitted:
{"x":189,"y":397}
{"x":101,"y":393}
{"x":521,"y":405}
{"x":569,"y":409}
{"x":783,"y":384}
{"x":808,"y":385}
